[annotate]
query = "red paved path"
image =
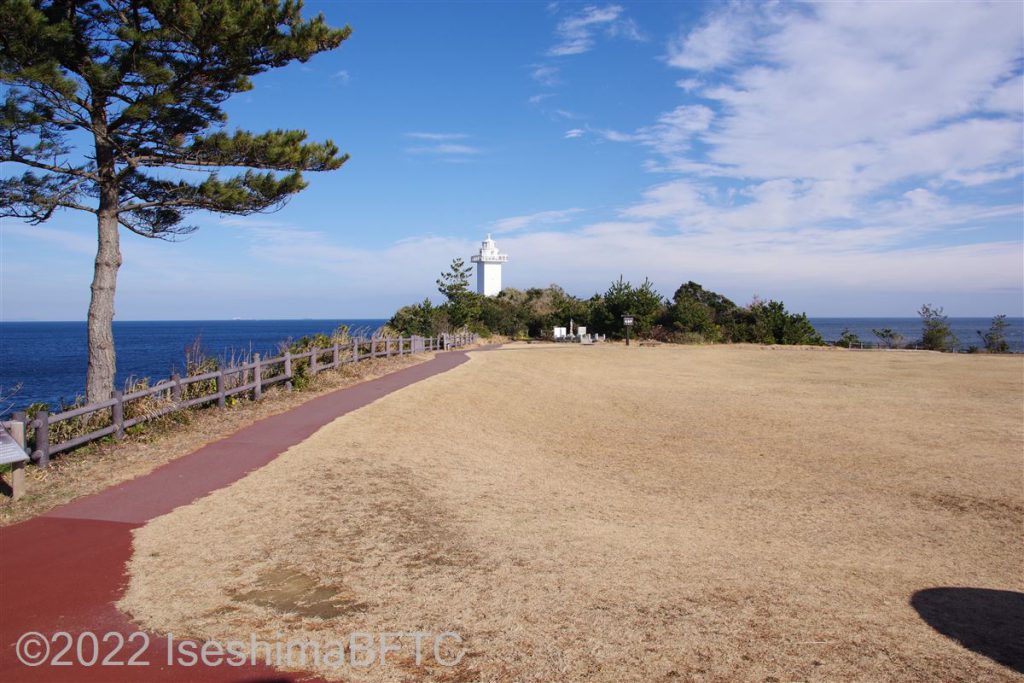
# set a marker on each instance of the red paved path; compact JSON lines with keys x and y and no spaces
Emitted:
{"x":64,"y":571}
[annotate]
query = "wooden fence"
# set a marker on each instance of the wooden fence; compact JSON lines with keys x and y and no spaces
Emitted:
{"x":879,"y":346}
{"x":174,"y":395}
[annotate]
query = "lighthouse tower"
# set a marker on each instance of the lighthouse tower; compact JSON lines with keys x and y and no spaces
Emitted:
{"x":488,"y":268}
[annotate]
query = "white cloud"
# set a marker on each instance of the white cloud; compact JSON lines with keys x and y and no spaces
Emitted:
{"x":437,"y":137}
{"x":447,"y":149}
{"x":720,"y":41}
{"x":673,"y":132}
{"x":78,"y":241}
{"x":1007,"y":97}
{"x":811,"y":262}
{"x":398,"y":269}
{"x":537,"y":99}
{"x":445,"y":145}
{"x":574,"y":133}
{"x":863,"y":119}
{"x":342,"y":77}
{"x":628,"y":29}
{"x":821,"y":149}
{"x":545,"y":74}
{"x":280,"y":263}
{"x":541,"y":218}
{"x":576,"y":33}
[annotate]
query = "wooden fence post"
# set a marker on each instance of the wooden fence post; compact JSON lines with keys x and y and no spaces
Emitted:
{"x":17,"y":432}
{"x":257,"y":377}
{"x":288,"y":369}
{"x":42,"y":439}
{"x":334,"y":358}
{"x":313,"y":361}
{"x":176,"y":388}
{"x":355,"y":350}
{"x":222,"y":400}
{"x":117,"y":414}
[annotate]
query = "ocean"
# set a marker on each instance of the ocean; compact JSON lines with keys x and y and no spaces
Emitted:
{"x":965,"y":329}
{"x":48,"y":359}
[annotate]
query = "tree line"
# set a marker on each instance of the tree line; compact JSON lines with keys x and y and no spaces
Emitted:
{"x":692,"y":315}
{"x":937,"y":335}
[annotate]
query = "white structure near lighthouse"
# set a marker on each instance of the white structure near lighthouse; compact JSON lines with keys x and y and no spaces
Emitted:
{"x":488,"y":268}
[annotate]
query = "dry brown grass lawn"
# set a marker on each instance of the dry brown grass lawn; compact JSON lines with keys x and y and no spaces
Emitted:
{"x":103,"y":464}
{"x":614,"y":514}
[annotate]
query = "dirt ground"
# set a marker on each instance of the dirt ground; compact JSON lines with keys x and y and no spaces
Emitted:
{"x":633,"y":514}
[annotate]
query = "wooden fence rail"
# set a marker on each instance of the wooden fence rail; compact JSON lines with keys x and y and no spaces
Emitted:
{"x":882,"y":346}
{"x":253,"y":377}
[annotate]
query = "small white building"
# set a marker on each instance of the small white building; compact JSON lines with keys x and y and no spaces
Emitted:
{"x":488,"y":268}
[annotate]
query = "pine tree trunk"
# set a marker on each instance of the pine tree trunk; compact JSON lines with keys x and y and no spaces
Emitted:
{"x":99,"y":381}
{"x":99,"y":378}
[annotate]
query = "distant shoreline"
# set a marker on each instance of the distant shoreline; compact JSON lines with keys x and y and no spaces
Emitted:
{"x":375,"y":319}
{"x":199,"y":320}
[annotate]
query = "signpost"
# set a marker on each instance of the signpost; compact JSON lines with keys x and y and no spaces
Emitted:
{"x":12,"y":452}
{"x":627,"y":320}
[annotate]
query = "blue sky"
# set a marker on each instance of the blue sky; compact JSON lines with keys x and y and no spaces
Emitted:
{"x":850,"y":159}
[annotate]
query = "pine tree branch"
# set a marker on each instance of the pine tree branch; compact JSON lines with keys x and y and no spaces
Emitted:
{"x":148,"y":81}
{"x":76,"y":171}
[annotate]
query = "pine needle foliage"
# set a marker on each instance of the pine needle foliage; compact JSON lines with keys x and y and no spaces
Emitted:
{"x":103,"y":95}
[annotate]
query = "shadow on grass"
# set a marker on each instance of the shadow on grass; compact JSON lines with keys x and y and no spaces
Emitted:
{"x":989,"y":622}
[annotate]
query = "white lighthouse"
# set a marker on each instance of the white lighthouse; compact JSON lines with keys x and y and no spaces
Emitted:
{"x":488,"y":268}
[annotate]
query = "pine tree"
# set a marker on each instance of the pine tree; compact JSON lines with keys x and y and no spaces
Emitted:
{"x":995,"y":339}
{"x":462,"y":305}
{"x":104,"y":96}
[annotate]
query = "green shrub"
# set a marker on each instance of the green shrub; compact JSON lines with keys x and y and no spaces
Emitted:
{"x":848,"y":339}
{"x":889,"y":337}
{"x":995,"y":339}
{"x":936,"y":334}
